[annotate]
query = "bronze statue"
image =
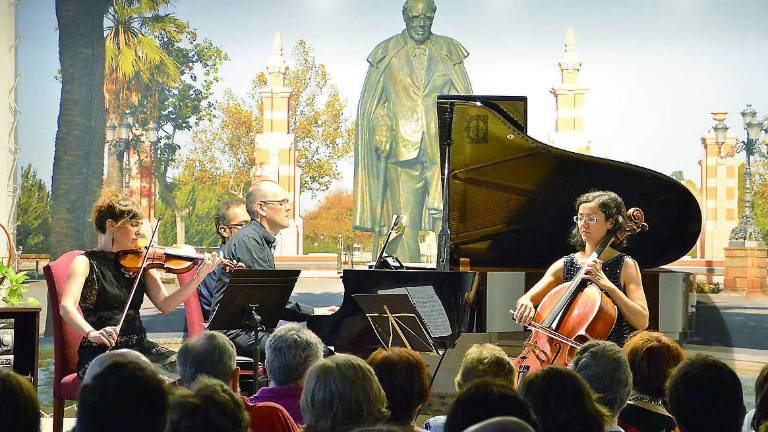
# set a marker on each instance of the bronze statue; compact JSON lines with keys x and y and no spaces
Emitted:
{"x":397,"y":156}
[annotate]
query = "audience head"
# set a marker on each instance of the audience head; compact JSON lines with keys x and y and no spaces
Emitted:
{"x":123,"y":396}
{"x":290,"y":350}
{"x":382,"y":427}
{"x":268,"y":203}
{"x":501,"y":424}
{"x":211,"y":354}
{"x":230,"y":216}
{"x":761,"y":383}
{"x":761,"y":410}
{"x":485,"y":399}
{"x":651,"y":356}
{"x":484,"y":361}
{"x":18,"y":401}
{"x":604,"y":367}
{"x":209,"y":406}
{"x":342,"y":393}
{"x":704,"y":394}
{"x":562,"y":402}
{"x":404,"y":378}
{"x":108,"y":357}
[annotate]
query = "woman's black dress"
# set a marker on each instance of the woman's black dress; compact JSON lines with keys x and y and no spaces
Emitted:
{"x":612,"y":270}
{"x":102,"y":300}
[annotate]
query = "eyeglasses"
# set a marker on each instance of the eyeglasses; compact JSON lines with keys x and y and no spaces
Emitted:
{"x":282,"y":202}
{"x":588,"y":218}
{"x":237,"y":225}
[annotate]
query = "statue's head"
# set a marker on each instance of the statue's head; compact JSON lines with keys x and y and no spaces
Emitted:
{"x":418,"y":16}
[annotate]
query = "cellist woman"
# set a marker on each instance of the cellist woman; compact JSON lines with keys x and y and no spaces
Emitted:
{"x":98,"y":284}
{"x":615,"y":273}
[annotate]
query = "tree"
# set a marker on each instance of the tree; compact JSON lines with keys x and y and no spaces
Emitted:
{"x":324,"y":135}
{"x":180,"y":107}
{"x":79,"y":151}
{"x":33,"y":213}
{"x":135,"y":60}
{"x":333,"y":216}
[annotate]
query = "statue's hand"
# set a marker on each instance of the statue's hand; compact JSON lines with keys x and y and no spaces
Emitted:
{"x":383,"y":143}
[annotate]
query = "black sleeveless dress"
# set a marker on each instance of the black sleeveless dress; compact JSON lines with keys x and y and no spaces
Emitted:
{"x":102,"y":300}
{"x":612,"y":269}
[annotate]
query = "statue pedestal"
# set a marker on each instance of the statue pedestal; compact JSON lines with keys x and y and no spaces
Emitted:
{"x":746,"y":268}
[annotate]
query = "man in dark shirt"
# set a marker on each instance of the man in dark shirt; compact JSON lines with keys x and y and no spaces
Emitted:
{"x":230,"y":216}
{"x":268,"y":205}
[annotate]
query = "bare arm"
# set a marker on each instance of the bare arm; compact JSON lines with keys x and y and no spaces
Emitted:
{"x":631,"y":302}
{"x":525,"y":310}
{"x":70,"y":298}
{"x":165,"y":302}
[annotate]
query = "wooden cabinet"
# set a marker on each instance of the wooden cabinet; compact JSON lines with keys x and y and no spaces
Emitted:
{"x":23,"y":326}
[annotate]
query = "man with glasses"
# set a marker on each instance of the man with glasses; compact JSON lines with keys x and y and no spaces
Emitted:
{"x":268,"y":207}
{"x":230,"y":216}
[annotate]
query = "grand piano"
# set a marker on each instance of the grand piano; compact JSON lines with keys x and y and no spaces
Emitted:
{"x":508,"y":205}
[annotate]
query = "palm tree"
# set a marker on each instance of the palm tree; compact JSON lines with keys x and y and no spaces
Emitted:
{"x":79,"y":152}
{"x":133,"y":59}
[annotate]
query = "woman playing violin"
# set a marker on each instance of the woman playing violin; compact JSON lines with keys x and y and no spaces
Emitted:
{"x":615,"y":273}
{"x":98,"y":285}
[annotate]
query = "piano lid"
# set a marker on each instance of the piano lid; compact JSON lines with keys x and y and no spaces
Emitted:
{"x":511,"y":197}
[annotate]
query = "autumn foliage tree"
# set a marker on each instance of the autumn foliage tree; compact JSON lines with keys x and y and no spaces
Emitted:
{"x":333,"y":216}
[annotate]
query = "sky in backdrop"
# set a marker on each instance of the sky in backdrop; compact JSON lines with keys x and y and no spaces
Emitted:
{"x":655,"y":68}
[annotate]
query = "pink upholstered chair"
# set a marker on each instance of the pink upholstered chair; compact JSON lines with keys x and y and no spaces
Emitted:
{"x":66,"y":340}
{"x":192,"y":309}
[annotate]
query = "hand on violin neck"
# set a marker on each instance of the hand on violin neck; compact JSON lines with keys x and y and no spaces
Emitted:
{"x":210,"y":263}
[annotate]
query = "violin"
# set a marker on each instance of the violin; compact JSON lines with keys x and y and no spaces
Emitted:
{"x":571,"y":314}
{"x":175,"y":260}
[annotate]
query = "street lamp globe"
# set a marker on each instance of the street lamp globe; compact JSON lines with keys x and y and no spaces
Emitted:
{"x":125,"y":130}
{"x":748,"y":114}
{"x":152,"y":132}
{"x":753,"y":129}
{"x":721,"y":132}
{"x":109,"y":131}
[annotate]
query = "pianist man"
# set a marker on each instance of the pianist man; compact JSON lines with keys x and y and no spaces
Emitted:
{"x":397,"y":157}
{"x":268,"y":205}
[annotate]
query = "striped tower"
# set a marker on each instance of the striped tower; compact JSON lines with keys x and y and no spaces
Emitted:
{"x":569,"y":102}
{"x":275,"y":154}
{"x":141,"y":181}
{"x":719,"y":193}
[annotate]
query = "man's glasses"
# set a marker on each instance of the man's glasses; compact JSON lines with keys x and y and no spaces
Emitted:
{"x":588,"y":218}
{"x":282,"y":202}
{"x":237,"y":225}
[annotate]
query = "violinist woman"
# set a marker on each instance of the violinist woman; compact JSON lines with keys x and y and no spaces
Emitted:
{"x":615,"y":273}
{"x":98,"y":285}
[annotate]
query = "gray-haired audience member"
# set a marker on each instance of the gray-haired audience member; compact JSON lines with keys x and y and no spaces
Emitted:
{"x":605,"y":368}
{"x":342,"y":393}
{"x":705,"y":395}
{"x":103,"y":360}
{"x":501,"y":424}
{"x":210,"y":405}
{"x":211,"y":354}
{"x":290,"y":351}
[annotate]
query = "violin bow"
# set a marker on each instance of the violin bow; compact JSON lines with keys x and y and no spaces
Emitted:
{"x":138,"y":278}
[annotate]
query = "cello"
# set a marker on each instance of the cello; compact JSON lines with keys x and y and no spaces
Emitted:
{"x":571,"y":313}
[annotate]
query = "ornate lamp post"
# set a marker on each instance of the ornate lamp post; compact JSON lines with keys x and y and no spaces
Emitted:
{"x":120,"y":137}
{"x":754,"y":146}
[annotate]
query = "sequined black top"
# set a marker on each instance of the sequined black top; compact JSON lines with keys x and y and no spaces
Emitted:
{"x":612,"y":270}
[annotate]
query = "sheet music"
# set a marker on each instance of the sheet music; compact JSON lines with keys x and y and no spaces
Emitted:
{"x":426,"y":301}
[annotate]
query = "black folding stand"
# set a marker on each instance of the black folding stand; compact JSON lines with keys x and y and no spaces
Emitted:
{"x":254,"y":299}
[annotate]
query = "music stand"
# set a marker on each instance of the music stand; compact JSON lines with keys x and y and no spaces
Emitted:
{"x":253,"y":299}
{"x":384,"y":261}
{"x":396,"y":320}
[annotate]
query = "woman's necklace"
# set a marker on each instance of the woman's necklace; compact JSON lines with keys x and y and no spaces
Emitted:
{"x":647,"y":399}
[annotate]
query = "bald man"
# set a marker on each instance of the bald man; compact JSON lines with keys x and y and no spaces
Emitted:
{"x":109,"y":357}
{"x":269,"y":207}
